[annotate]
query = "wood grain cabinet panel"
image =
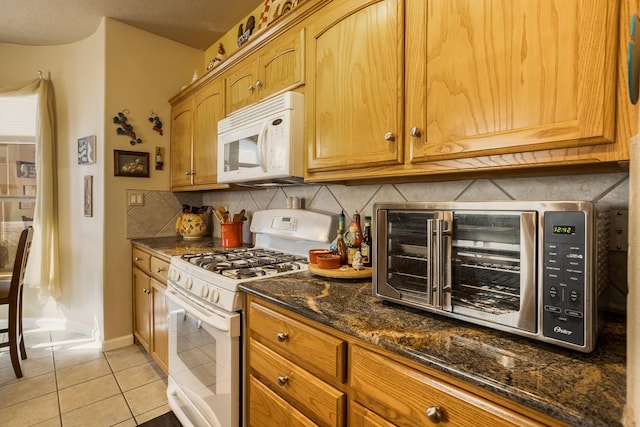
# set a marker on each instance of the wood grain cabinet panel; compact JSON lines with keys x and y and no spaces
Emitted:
{"x":267,"y":408}
{"x":412,"y":398}
{"x":313,"y":397}
{"x":407,"y":89}
{"x":274,"y":68}
{"x":150,"y":310}
{"x":497,"y":77}
{"x":141,"y":306}
{"x":354,"y":86}
{"x":312,"y":349}
{"x":194,"y":139}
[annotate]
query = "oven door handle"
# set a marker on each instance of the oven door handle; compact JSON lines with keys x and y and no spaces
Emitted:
{"x":222,"y":322}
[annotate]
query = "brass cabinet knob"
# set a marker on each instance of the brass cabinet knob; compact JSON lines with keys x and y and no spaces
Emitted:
{"x":283,"y":380}
{"x":282,"y":336}
{"x":434,"y":413}
{"x":415,"y":132}
{"x":389,"y":136}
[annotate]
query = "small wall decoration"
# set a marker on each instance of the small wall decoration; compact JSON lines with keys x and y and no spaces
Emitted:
{"x":244,"y":34}
{"x":88,"y":195}
{"x":274,"y":9}
{"x":86,"y":150}
{"x":131,"y":163}
{"x":125,"y":128}
{"x":159,"y":155}
{"x":221,"y":56}
{"x":157,"y":124}
{"x":25,"y":169}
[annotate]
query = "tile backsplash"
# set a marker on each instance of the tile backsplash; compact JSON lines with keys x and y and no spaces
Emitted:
{"x":158,"y":215}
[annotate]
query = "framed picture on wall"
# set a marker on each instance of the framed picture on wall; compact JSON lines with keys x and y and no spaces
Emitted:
{"x":87,"y":150}
{"x":131,"y":163}
{"x":88,"y":195}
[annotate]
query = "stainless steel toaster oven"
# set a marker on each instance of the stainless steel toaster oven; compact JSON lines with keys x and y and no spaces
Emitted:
{"x":530,"y":268}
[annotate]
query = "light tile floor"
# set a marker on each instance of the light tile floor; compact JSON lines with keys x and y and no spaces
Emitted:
{"x":68,"y":381}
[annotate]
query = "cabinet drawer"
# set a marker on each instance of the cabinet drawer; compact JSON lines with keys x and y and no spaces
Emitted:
{"x":267,"y":408}
{"x":159,"y":269}
{"x":141,"y":259}
{"x":316,"y":351}
{"x":360,"y":416}
{"x":316,"y":399}
{"x":409,"y":394}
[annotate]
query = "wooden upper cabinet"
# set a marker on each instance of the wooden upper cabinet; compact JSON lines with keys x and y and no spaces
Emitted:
{"x":354,"y":85}
{"x":498,"y":77}
{"x":194,"y":138}
{"x":274,"y":68}
{"x":181,"y":134}
{"x":208,"y":109}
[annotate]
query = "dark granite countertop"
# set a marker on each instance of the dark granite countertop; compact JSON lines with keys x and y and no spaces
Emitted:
{"x":579,"y":389}
{"x":170,"y":246}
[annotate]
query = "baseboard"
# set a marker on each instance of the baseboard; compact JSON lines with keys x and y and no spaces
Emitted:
{"x":116,"y":343}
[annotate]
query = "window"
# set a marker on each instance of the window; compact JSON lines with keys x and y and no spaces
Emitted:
{"x":17,"y":172}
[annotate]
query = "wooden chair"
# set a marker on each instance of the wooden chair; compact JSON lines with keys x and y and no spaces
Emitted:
{"x":11,"y":295}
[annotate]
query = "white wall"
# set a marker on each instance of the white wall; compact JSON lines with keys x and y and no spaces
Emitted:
{"x":77,"y":73}
{"x":117,"y":67}
{"x":143,"y":72}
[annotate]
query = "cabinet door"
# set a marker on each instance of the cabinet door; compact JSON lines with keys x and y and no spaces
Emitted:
{"x":240,"y":85}
{"x":497,"y":77}
{"x":141,"y":308}
{"x":281,"y":64}
{"x":208,"y":109}
{"x":160,"y":340}
{"x":181,"y":133}
{"x":354,"y":86}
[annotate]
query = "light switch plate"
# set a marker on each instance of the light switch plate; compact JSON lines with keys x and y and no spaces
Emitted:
{"x":135,"y":198}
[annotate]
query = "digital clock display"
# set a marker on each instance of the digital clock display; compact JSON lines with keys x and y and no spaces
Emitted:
{"x":564,"y":229}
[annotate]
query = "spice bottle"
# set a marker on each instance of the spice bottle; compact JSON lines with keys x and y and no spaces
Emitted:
{"x":366,"y":245}
{"x":333,"y":244}
{"x":341,"y":249}
{"x":353,"y":237}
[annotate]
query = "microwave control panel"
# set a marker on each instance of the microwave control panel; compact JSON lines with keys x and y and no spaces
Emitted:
{"x":565,"y":288}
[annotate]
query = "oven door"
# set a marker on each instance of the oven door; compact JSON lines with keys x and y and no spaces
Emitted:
{"x":204,"y":363}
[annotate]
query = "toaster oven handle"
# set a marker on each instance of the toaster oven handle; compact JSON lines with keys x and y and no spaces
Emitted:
{"x":262,"y":136}
{"x":438,"y":276}
{"x":430,"y":261}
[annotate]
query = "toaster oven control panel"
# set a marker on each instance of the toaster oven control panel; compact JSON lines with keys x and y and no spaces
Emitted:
{"x":564,"y":285}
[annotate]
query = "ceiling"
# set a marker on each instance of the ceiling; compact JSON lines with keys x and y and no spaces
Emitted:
{"x":196,"y":23}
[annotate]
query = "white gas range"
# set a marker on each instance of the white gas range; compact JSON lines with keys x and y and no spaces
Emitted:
{"x":205,"y":311}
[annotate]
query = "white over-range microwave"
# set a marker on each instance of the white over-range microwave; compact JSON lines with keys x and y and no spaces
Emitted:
{"x":263,"y":144}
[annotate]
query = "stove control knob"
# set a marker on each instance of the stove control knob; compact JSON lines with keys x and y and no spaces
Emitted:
{"x":188,"y":283}
{"x":215,"y":295}
{"x":204,"y":292}
{"x":174,"y":275}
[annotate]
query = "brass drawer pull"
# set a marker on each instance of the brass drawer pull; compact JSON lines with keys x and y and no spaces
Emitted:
{"x":283,"y":380}
{"x":283,"y":336}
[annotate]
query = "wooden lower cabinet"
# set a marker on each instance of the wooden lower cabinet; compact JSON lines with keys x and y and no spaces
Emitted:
{"x":379,"y":389}
{"x":150,"y":325}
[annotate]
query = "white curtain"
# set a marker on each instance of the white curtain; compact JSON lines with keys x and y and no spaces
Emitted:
{"x":43,"y":269}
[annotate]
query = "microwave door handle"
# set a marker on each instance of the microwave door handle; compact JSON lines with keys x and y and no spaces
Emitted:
{"x":262,"y":136}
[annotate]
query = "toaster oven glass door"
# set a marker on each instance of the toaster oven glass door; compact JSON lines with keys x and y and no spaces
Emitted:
{"x":471,"y":264}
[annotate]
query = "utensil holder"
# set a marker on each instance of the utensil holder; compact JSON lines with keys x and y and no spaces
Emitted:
{"x":231,"y":234}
